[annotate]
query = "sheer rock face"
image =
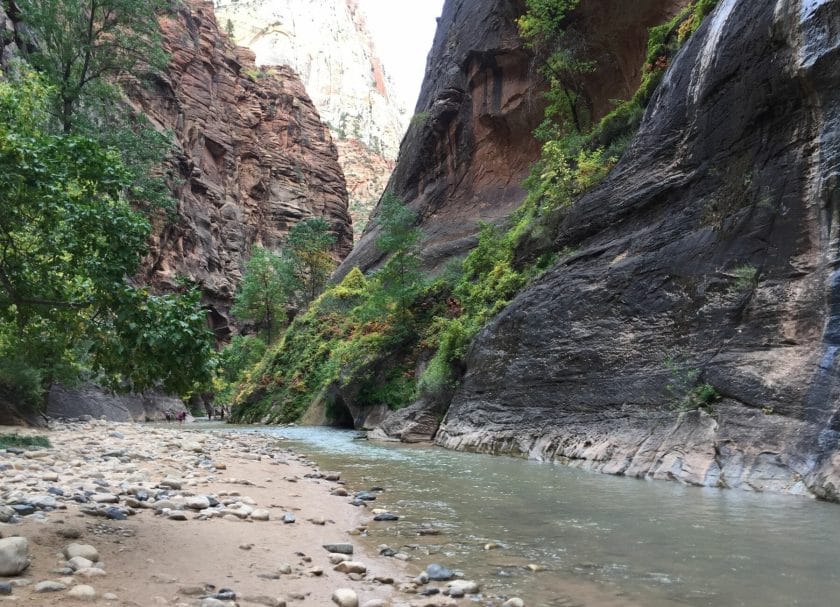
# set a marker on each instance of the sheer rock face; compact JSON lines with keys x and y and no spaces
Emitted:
{"x":328,"y":44}
{"x":714,"y":243}
{"x":470,"y":144}
{"x":252,"y":158}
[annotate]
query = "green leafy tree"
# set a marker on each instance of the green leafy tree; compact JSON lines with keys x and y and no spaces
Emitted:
{"x":266,"y":288}
{"x":68,"y":240}
{"x":80,"y":44}
{"x":308,"y":249}
{"x":400,"y":278}
{"x":561,"y":55}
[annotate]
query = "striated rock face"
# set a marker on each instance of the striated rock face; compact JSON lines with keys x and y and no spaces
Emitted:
{"x":252,"y":158}
{"x":714,"y":243}
{"x":327,"y":43}
{"x":470,"y":145}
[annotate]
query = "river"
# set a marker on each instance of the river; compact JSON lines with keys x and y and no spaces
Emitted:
{"x":596,"y":540}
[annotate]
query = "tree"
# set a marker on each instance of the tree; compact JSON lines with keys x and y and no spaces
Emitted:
{"x":80,"y":44}
{"x":266,"y":288}
{"x":68,"y":241}
{"x":308,"y":248}
{"x":560,"y":51}
{"x":400,"y":278}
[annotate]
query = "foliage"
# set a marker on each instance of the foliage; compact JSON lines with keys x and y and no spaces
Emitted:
{"x":20,"y":383}
{"x":419,"y":119}
{"x":235,"y":359}
{"x":307,"y":249}
{"x":68,"y":240}
{"x":399,"y":280}
{"x":561,"y":54}
{"x":266,"y":288}
{"x":80,"y":44}
{"x":358,"y":335}
{"x":686,"y":393}
{"x":19,"y":441}
{"x":745,"y":277}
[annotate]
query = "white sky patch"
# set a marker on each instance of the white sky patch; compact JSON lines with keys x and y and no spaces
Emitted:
{"x":403,"y":31}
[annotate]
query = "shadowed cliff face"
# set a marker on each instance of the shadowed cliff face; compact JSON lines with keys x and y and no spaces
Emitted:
{"x":713,"y":243}
{"x":252,"y":159}
{"x":470,"y":143}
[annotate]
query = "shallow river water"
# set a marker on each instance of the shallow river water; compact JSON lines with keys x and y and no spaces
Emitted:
{"x":601,"y":540}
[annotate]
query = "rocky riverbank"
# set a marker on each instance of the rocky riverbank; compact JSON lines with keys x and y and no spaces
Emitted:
{"x":133,"y":515}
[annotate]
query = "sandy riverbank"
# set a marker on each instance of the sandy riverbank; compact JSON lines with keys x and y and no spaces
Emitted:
{"x":159,"y":475}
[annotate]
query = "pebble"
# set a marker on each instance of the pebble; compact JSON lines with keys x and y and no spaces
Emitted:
{"x":386,"y":516}
{"x":350,"y":567}
{"x":49,"y":586}
{"x":79,"y":562}
{"x":5,"y":588}
{"x":83,"y":550}
{"x":82,"y":592}
{"x":260,"y":515}
{"x":459,"y":588}
{"x":288,"y":518}
{"x":341,"y":548}
{"x":439,"y":573}
{"x":345,"y":597}
{"x":514,"y":602}
{"x":198,"y":502}
{"x":14,"y":555}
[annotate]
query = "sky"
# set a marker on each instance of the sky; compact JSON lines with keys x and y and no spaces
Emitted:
{"x":403,"y":31}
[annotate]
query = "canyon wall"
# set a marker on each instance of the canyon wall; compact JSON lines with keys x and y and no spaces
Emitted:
{"x":252,"y":158}
{"x":710,"y":251}
{"x":471,"y":143}
{"x":328,"y":44}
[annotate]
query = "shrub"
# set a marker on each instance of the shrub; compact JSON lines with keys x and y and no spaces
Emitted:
{"x":21,"y":383}
{"x":19,"y":441}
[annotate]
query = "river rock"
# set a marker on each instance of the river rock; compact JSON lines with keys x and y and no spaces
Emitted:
{"x":104,"y":498}
{"x":341,"y":548}
{"x":79,"y":562}
{"x":514,"y":602}
{"x":260,"y":515}
{"x":49,"y":586}
{"x":14,"y":555}
{"x":198,"y":502}
{"x":83,"y":550}
{"x":439,"y":573}
{"x":288,"y":518}
{"x":336,"y":558}
{"x":7,"y":514}
{"x":386,"y":516}
{"x":91,"y":572}
{"x":345,"y":597}
{"x":350,"y":567}
{"x":82,"y":592}
{"x":459,"y":588}
{"x":268,"y":601}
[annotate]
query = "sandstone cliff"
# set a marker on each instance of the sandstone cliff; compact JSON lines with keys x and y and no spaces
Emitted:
{"x":328,"y":44}
{"x":712,"y":243}
{"x":470,"y":145}
{"x":252,"y":158}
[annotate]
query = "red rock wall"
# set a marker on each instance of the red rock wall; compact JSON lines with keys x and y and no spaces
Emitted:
{"x":252,"y":158}
{"x":470,"y":145}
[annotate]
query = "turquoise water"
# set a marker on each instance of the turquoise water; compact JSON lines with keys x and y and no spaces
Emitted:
{"x":600,"y":540}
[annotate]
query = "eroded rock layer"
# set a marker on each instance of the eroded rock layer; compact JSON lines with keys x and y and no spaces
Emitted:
{"x":328,"y":44}
{"x":712,"y":245}
{"x":252,"y":158}
{"x":471,"y":143}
